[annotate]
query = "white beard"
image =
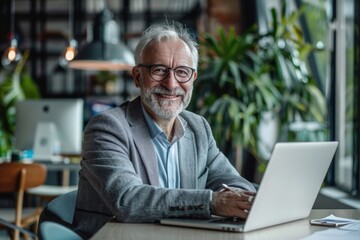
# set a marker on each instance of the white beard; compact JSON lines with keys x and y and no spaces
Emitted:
{"x":163,"y":108}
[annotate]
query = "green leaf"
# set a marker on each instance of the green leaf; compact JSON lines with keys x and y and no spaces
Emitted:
{"x":274,"y":21}
{"x":235,"y":73}
{"x":212,"y":44}
{"x":305,"y":51}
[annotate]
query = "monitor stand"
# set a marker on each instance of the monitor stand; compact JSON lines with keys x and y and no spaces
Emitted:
{"x":46,"y":142}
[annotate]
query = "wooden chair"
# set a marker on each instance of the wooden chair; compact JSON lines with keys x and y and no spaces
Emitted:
{"x":16,"y":178}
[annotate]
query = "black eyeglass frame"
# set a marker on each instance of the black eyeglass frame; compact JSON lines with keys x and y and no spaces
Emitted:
{"x":149,"y":66}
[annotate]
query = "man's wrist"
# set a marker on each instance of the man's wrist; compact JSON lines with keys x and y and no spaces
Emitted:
{"x":213,"y":202}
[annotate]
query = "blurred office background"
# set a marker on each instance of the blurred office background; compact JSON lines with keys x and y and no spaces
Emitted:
{"x":42,"y":30}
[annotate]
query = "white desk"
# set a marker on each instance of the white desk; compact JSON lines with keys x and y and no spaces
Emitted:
{"x":49,"y":192}
{"x":293,"y":230}
{"x":64,"y":168}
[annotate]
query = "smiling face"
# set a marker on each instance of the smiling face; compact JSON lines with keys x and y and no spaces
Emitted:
{"x":166,"y":99}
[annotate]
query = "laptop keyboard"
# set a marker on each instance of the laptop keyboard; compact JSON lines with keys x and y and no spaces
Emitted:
{"x":228,"y":220}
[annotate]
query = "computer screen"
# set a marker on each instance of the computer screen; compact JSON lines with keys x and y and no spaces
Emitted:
{"x":43,"y":117}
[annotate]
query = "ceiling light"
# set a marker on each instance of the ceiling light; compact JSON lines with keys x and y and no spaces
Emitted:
{"x":70,"y":51}
{"x":105,"y":51}
{"x":12,"y":55}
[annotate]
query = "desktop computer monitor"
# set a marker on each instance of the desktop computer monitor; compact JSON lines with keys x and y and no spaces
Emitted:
{"x":49,"y":126}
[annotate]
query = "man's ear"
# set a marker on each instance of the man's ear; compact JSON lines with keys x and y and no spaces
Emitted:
{"x":136,"y":75}
{"x":195,"y":75}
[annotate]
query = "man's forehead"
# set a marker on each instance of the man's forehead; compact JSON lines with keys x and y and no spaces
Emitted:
{"x":167,"y":46}
{"x":175,"y":42}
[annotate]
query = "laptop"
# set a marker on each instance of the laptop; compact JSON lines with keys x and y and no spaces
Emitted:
{"x":287,"y":191}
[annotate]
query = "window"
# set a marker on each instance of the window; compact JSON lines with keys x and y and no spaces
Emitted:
{"x":346,"y":116}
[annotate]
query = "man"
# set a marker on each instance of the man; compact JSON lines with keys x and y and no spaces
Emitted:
{"x":150,"y":158}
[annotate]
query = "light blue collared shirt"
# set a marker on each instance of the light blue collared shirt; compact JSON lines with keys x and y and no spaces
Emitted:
{"x":166,"y":152}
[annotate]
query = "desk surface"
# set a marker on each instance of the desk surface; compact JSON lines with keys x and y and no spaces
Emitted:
{"x":65,"y":168}
{"x":293,"y":230}
{"x":59,"y":166}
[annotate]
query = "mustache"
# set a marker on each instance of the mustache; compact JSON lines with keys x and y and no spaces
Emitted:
{"x":165,"y":91}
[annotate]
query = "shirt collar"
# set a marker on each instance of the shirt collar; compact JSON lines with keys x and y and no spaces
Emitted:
{"x":155,"y":130}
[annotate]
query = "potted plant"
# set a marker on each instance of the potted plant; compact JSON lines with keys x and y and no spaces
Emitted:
{"x":242,"y":77}
{"x":16,"y":84}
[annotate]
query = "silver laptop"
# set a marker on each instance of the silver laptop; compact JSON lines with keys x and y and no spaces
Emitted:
{"x":287,"y":190}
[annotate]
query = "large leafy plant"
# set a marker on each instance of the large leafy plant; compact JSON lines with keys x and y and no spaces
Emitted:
{"x":16,"y":85}
{"x":244,"y":76}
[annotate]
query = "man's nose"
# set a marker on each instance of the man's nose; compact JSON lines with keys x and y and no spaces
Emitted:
{"x":170,"y":81}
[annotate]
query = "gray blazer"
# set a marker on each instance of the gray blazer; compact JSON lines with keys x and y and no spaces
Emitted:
{"x":119,"y":176}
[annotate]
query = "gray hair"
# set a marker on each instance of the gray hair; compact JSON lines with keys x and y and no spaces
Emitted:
{"x":159,"y":32}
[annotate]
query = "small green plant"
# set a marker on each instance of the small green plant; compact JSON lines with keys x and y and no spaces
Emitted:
{"x":17,"y":85}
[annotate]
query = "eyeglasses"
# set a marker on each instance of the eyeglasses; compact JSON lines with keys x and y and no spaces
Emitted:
{"x":159,"y":72}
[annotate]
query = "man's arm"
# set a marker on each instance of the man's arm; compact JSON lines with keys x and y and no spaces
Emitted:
{"x":111,"y":166}
{"x":234,"y":201}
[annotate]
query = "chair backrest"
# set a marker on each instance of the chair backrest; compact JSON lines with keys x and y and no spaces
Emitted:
{"x":60,"y":210}
{"x":55,"y":231}
{"x":16,"y":178}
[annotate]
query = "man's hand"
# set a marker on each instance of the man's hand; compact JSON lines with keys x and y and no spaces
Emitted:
{"x":232,"y":202}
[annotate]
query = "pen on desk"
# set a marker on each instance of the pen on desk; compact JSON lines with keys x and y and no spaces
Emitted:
{"x":226,"y":187}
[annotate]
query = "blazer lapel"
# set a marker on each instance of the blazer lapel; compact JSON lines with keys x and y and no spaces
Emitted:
{"x":143,"y":141}
{"x":187,"y":161}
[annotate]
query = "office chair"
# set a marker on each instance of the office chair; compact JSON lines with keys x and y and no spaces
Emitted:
{"x":60,"y":211}
{"x":15,"y":179}
{"x":55,"y":231}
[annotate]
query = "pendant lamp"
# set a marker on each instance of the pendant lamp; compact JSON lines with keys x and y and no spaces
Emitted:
{"x":105,"y":52}
{"x":12,"y":55}
{"x":70,"y":51}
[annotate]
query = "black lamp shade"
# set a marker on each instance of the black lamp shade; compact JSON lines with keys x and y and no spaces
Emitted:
{"x":105,"y":51}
